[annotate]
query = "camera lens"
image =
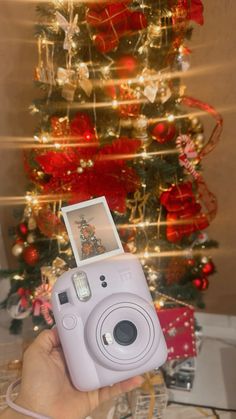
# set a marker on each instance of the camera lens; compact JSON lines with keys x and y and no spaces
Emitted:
{"x":125,"y":333}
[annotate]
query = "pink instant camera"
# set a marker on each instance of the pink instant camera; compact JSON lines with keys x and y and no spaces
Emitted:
{"x":107,"y":324}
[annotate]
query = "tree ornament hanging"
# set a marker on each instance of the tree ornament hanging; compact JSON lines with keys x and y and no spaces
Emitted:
{"x":32,"y":224}
{"x":18,"y":304}
{"x":22,"y":229}
{"x":140,"y":129}
{"x":201,"y":284}
{"x":208,"y":268}
{"x":127,"y":66}
{"x":18,"y":248}
{"x":136,"y":205}
{"x":70,"y":28}
{"x":31,"y":255}
{"x":164,"y":132}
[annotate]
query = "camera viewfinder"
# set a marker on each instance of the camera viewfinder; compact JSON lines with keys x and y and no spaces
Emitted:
{"x":81,"y":285}
{"x":63,"y":298}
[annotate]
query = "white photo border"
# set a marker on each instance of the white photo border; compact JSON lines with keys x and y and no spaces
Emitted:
{"x":85,"y":204}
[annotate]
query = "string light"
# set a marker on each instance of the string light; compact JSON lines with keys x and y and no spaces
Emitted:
{"x":171,"y":118}
{"x":115,"y":104}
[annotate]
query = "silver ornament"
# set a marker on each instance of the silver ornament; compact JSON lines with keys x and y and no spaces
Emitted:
{"x":140,"y":125}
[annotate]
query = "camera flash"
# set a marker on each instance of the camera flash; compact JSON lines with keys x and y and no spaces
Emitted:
{"x":81,"y":285}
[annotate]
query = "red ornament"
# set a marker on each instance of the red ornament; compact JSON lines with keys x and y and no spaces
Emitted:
{"x":31,"y":255}
{"x":201,"y":283}
{"x":23,"y":229}
{"x":163,"y":132}
{"x":126,"y":67}
{"x":208,"y":268}
{"x":205,"y":284}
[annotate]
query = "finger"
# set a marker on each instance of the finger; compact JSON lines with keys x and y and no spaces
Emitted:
{"x":107,"y":393}
{"x":131,"y":384}
{"x":47,"y":340}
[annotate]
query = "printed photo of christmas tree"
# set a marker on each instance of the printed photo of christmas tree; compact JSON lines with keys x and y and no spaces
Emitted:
{"x":92,"y":231}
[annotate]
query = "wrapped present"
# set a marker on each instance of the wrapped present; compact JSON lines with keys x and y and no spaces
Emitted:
{"x":149,"y":401}
{"x":178,"y":327}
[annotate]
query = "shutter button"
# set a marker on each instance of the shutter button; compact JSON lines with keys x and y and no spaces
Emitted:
{"x":69,"y":322}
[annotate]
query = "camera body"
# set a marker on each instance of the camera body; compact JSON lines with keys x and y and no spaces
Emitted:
{"x":107,"y":324}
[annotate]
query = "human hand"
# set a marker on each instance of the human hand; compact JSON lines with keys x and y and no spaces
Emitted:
{"x":46,"y":387}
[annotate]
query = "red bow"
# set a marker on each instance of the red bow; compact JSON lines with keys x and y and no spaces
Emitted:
{"x":86,"y":171}
{"x":24,"y":294}
{"x":183,"y":213}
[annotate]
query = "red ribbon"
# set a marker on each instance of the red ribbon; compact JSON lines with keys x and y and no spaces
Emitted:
{"x":217,"y":130}
{"x":207,"y":198}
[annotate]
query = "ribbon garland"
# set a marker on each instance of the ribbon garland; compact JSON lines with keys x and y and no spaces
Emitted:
{"x":217,"y":130}
{"x":207,"y":198}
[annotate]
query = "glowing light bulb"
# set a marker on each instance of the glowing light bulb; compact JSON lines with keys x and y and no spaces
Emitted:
{"x":171,"y":118}
{"x":114,"y":104}
{"x":146,"y":254}
{"x":44,"y":139}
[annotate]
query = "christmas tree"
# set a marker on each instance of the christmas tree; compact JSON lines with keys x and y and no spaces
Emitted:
{"x":90,"y":244}
{"x":114,"y":121}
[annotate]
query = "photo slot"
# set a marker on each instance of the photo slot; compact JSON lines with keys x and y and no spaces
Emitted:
{"x":92,"y":231}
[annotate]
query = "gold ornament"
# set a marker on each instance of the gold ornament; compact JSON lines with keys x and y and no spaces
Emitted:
{"x":49,"y":274}
{"x":32,"y":224}
{"x":17,"y":249}
{"x":31,"y":238}
{"x":136,"y":205}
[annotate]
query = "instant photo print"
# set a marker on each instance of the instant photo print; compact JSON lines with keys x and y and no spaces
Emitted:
{"x":92,"y":231}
